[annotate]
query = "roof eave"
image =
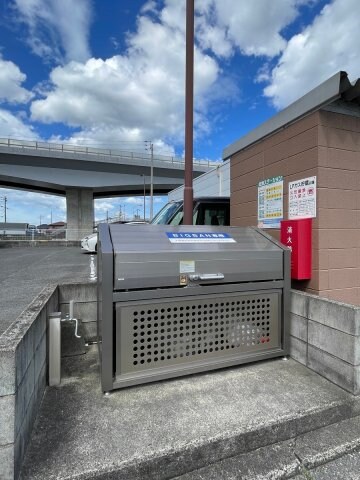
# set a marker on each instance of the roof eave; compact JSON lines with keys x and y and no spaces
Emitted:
{"x":322,"y":95}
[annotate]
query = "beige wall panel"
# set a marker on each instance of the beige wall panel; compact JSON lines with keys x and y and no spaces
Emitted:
{"x":293,"y":146}
{"x":248,"y":209}
{"x":297,"y":176}
{"x":337,"y":218}
{"x":335,"y":238}
{"x":346,"y":295}
{"x":304,"y":141}
{"x":321,"y":258}
{"x":294,"y":129}
{"x":243,"y":221}
{"x":275,"y":169}
{"x":344,"y":278}
{"x":343,"y":258}
{"x":244,"y":195}
{"x":343,"y":159}
{"x":323,"y":153}
{"x":249,"y":165}
{"x":343,"y":139}
{"x":319,"y":280}
{"x":247,"y":153}
{"x":336,"y":198}
{"x":338,"y":120}
{"x":322,"y":136}
{"x":338,"y":178}
{"x":247,"y":180}
{"x":301,"y":162}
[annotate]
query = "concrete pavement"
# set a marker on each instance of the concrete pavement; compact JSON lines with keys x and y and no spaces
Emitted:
{"x":208,"y":426}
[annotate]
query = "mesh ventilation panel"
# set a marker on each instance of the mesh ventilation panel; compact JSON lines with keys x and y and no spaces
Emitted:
{"x":167,"y":333}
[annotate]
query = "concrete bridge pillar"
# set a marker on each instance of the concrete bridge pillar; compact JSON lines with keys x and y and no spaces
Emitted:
{"x":79,"y":212}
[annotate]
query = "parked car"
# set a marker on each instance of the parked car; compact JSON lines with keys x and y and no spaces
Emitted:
{"x":206,"y":211}
{"x":89,"y":243}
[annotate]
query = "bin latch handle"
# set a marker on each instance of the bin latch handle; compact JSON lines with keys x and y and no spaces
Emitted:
{"x":206,"y":276}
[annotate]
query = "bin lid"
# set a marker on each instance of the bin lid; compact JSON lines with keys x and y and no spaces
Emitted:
{"x":150,"y":256}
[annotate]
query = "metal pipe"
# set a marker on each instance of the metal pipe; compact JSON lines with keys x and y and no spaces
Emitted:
{"x":189,"y":114}
{"x":54,"y":348}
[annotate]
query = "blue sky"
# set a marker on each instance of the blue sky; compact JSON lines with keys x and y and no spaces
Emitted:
{"x":105,"y":73}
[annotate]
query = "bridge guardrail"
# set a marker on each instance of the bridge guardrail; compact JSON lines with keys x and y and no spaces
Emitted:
{"x":93,"y":151}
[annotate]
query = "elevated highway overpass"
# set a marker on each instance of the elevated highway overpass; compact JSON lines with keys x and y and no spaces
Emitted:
{"x":84,"y":173}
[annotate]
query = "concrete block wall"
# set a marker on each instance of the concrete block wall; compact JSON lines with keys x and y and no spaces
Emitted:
{"x":23,"y":372}
{"x":325,"y":336}
{"x":85,"y":307}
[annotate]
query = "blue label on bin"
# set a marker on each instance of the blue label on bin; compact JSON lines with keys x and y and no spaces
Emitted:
{"x":199,"y":237}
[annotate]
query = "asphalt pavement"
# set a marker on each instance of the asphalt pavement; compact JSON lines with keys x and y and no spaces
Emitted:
{"x":25,"y":271}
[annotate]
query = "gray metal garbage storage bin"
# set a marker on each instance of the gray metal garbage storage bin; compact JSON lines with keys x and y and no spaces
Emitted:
{"x":178,"y":300}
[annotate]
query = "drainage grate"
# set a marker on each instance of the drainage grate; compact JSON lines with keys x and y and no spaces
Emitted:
{"x":156,"y":335}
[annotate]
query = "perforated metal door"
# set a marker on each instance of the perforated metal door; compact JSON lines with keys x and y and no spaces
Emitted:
{"x":171,"y":332}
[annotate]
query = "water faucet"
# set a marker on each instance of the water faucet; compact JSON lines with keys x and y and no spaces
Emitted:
{"x":69,"y":317}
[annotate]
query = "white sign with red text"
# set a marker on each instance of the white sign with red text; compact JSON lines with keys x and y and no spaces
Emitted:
{"x":302,"y":198}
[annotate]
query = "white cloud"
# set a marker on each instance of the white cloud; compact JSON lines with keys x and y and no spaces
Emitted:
{"x":11,"y":79}
{"x":57,"y":29}
{"x":117,"y":138}
{"x":13,"y":126}
{"x":104,"y":206}
{"x":133,"y":200}
{"x":322,"y":49}
{"x":129,"y":207}
{"x":24,"y":206}
{"x":139,"y":95}
{"x":252,"y":27}
{"x":149,"y":6}
{"x":27,"y":207}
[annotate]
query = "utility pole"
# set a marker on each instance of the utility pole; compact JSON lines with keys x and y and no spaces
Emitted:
{"x":150,"y":146}
{"x":152,"y":181}
{"x":144,"y":195}
{"x":4,"y":198}
{"x":189,"y":114}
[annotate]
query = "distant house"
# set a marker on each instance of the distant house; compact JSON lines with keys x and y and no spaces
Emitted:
{"x":57,"y":225}
{"x":43,"y":226}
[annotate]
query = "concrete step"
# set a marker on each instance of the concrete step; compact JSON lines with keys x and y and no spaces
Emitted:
{"x":346,"y":467}
{"x":167,"y":429}
{"x":331,"y":452}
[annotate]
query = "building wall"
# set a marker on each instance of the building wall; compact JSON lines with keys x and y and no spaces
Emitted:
{"x":215,"y":183}
{"x":338,"y":220}
{"x":327,"y":145}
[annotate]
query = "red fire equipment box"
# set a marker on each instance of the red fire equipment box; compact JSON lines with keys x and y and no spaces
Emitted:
{"x":296,"y":234}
